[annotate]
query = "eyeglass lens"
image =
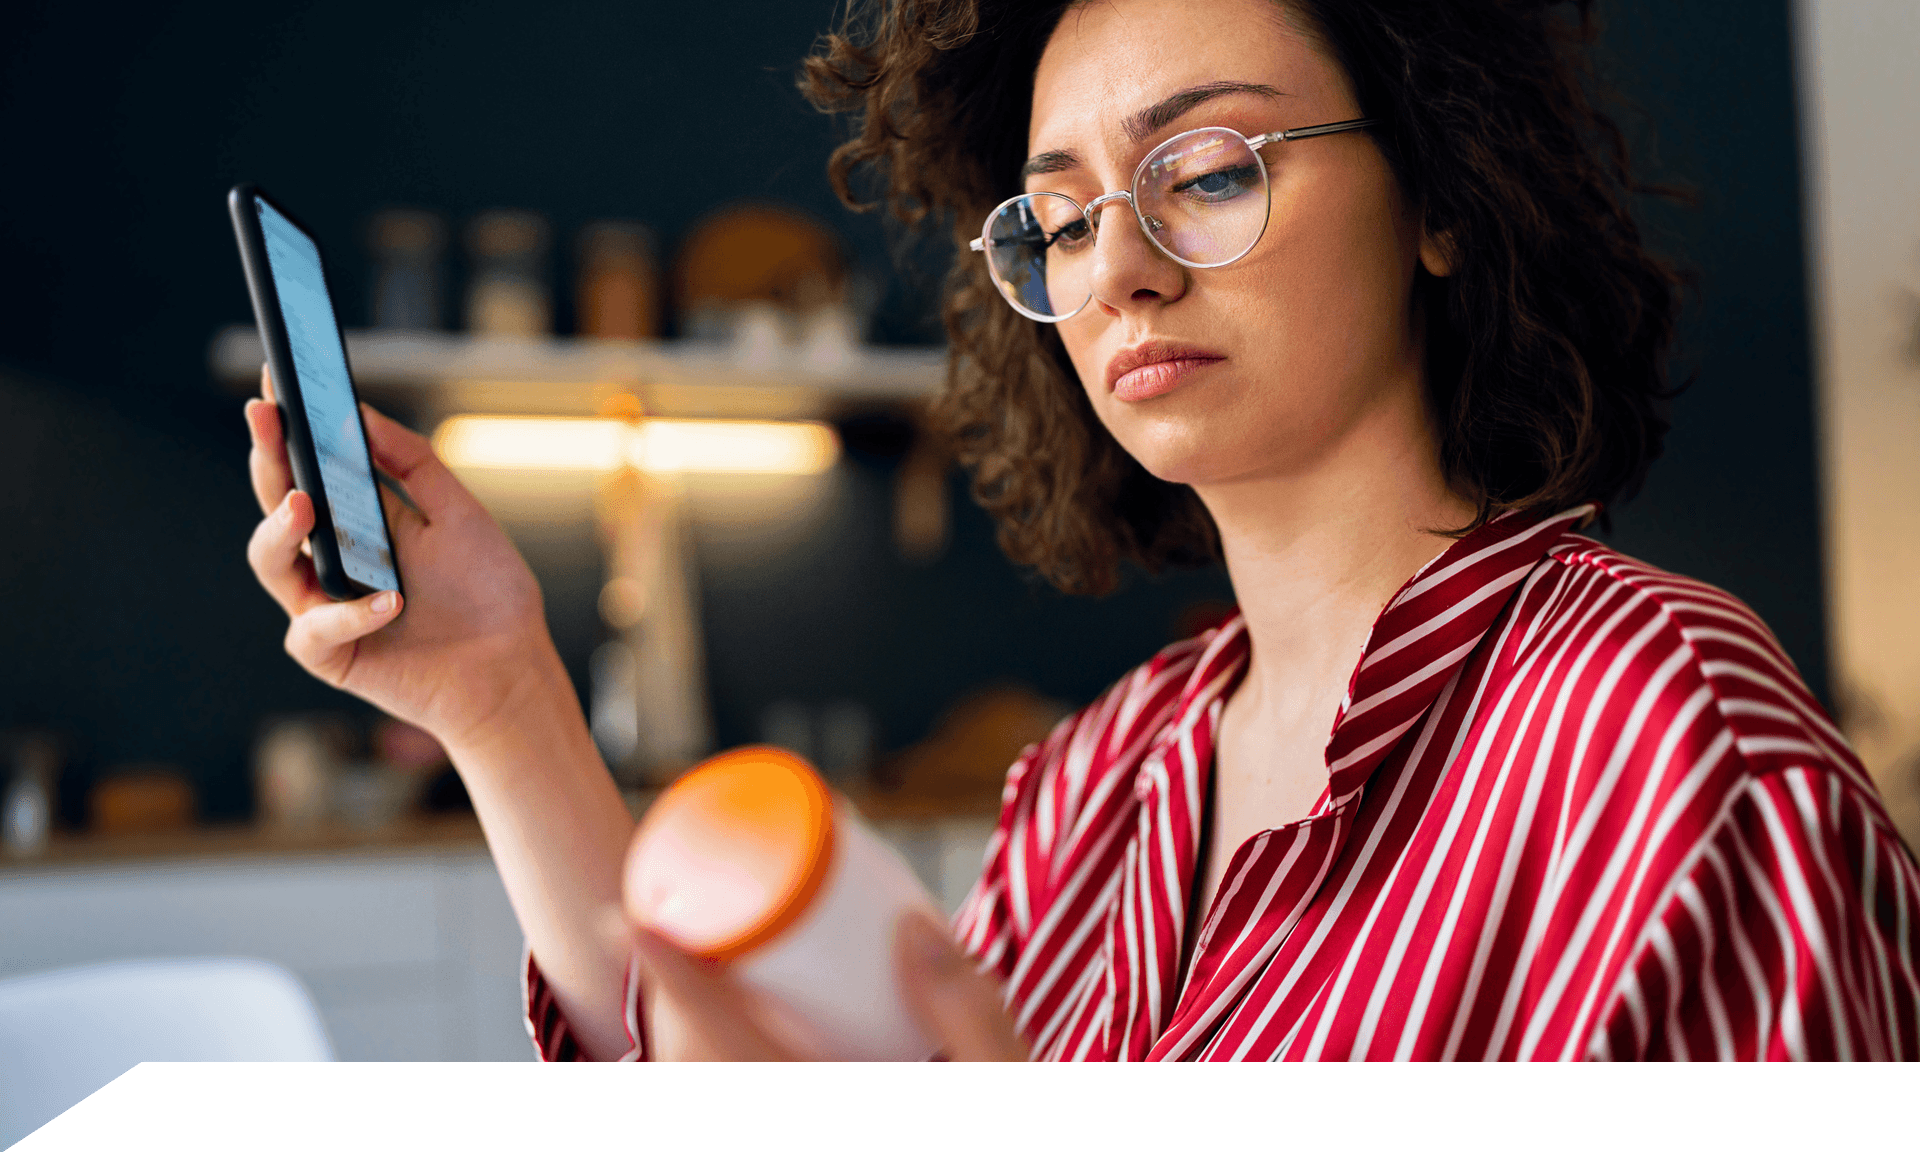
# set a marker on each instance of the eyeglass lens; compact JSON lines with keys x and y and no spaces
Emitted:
{"x":1202,"y":196}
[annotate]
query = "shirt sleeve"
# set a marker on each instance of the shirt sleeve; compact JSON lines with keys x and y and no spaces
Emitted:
{"x":553,"y":1037}
{"x":1789,"y":937}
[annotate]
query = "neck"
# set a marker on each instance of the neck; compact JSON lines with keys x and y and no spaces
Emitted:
{"x":1314,"y":555}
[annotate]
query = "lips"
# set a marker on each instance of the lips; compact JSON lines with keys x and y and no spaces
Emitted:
{"x":1154,"y":368}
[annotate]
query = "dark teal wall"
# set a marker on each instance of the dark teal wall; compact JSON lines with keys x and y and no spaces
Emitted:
{"x":1735,"y":500}
{"x":131,"y":620}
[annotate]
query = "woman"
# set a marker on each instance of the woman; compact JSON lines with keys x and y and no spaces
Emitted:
{"x":1347,"y":295}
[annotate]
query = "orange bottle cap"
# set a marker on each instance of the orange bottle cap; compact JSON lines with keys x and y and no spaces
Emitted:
{"x":732,"y":853}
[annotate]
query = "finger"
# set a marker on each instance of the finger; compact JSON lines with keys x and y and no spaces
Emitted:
{"x":267,"y":460}
{"x":321,"y":638}
{"x":409,"y":458}
{"x":397,"y":448}
{"x":275,"y":557}
{"x":709,"y":1005}
{"x":266,"y":383}
{"x":398,"y":504}
{"x":959,"y":1008}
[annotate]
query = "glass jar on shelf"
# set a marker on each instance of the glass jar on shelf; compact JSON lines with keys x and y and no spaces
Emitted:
{"x":507,"y":293}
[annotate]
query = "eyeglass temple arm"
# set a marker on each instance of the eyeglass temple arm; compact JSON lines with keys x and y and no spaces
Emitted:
{"x":1312,"y":130}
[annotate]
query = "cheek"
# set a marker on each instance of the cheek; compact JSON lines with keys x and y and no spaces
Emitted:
{"x":1329,"y":296}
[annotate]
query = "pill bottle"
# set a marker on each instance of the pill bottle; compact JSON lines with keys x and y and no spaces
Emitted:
{"x":752,"y":861}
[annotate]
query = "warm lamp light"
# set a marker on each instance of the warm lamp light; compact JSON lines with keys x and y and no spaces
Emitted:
{"x":770,"y":447}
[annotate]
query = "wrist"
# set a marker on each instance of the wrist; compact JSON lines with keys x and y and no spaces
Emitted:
{"x":530,"y":707}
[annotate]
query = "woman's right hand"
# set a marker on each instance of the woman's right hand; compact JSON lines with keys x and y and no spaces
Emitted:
{"x":458,"y":659}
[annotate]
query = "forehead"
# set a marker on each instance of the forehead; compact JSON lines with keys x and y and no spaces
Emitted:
{"x":1109,"y":58}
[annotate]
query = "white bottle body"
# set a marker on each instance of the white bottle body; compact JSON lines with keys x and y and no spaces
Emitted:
{"x":834,"y":965}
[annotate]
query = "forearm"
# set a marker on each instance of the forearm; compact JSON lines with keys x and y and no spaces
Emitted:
{"x":558,"y":831}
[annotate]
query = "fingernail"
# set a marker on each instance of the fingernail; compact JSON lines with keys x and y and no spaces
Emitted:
{"x":383,"y":603}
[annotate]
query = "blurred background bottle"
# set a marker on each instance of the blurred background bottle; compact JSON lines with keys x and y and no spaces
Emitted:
{"x":619,"y":281}
{"x":408,"y":248}
{"x":507,"y":293}
{"x":26,"y":811}
{"x":295,"y":762}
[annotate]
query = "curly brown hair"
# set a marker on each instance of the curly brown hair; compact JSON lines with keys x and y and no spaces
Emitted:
{"x":1545,"y":346}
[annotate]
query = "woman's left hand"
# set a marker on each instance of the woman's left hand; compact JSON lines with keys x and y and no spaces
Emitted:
{"x":697,"y":1011}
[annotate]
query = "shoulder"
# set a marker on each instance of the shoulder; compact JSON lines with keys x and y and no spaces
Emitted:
{"x":1726,"y":806}
{"x":1646,"y":646}
{"x":1091,"y":753}
{"x":1067,"y":796}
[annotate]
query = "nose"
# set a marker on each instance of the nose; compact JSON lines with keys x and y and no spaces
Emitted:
{"x":1128,"y":270}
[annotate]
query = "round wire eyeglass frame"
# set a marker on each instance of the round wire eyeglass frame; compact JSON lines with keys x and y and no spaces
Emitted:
{"x":1092,"y":208}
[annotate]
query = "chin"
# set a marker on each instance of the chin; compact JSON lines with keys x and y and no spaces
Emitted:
{"x":1181,"y":452}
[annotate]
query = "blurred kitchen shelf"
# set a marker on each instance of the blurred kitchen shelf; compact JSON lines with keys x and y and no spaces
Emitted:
{"x":895,"y":806}
{"x":428,"y":833}
{"x":456,"y":831}
{"x":445,"y":372}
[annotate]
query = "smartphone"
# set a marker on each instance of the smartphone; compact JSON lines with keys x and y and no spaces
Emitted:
{"x":319,"y":409}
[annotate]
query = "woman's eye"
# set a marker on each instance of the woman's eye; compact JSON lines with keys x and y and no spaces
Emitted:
{"x":1222,"y":185}
{"x":1070,"y":237}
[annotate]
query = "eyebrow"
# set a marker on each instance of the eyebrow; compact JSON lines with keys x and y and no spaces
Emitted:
{"x":1149,"y":120}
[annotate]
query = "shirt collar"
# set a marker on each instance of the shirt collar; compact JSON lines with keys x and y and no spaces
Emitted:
{"x":1425,"y":633}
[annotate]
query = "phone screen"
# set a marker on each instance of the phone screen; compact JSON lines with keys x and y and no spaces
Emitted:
{"x":320,"y":362}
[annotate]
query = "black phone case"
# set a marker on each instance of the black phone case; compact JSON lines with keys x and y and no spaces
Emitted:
{"x":286,"y":393}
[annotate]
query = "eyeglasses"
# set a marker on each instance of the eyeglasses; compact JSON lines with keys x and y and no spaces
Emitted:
{"x":1202,"y":198}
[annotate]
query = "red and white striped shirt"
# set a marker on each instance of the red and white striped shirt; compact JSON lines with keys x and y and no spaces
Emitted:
{"x":1577,"y":807}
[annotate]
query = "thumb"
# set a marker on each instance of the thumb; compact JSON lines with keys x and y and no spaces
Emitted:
{"x":713,"y":1015}
{"x":958,"y":1007}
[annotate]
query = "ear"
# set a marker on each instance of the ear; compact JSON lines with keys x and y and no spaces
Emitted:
{"x":1436,"y":253}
